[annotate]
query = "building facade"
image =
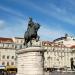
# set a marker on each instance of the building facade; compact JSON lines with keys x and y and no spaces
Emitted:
{"x":58,"y":56}
{"x":7,"y":52}
{"x":18,"y":42}
{"x":65,"y":40}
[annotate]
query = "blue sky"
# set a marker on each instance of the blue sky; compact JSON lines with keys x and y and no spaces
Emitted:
{"x":56,"y":17}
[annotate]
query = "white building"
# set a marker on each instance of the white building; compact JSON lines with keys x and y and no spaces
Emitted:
{"x":7,"y":52}
{"x":58,"y":53}
{"x":66,"y":40}
{"x":18,"y":42}
{"x":58,"y":56}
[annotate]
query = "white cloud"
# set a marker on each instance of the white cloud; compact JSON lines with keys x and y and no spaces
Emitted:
{"x":47,"y":33}
{"x":2,"y":24}
{"x":54,"y":11}
{"x":17,"y":30}
{"x":44,"y":32}
{"x":12,"y":12}
{"x":71,"y":2}
{"x":63,"y":14}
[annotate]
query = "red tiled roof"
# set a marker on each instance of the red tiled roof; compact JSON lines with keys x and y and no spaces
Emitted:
{"x":5,"y":40}
{"x":46,"y":43}
{"x":73,"y":46}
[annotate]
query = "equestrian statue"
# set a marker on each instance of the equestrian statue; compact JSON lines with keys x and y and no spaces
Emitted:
{"x":31,"y":32}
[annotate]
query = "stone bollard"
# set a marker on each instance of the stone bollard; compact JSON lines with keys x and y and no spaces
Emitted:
{"x":30,"y":61}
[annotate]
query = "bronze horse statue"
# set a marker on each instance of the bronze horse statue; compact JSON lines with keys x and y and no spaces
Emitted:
{"x":31,"y":33}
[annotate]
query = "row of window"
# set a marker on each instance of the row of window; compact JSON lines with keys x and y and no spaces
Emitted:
{"x":18,"y":46}
{"x":6,"y":45}
{"x":3,"y":57}
{"x":60,"y":53}
{"x":19,"y":41}
{"x":12,"y":63}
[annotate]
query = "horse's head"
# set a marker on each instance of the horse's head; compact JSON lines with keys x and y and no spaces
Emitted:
{"x":36,"y":26}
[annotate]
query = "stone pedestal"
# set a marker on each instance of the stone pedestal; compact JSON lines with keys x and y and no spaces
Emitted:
{"x":30,"y":61}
